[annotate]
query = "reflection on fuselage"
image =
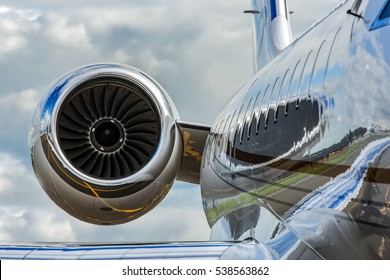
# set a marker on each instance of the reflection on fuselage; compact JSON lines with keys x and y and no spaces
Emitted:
{"x":310,"y":133}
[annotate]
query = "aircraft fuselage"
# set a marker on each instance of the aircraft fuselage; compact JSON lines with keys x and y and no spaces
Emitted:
{"x":309,"y":133}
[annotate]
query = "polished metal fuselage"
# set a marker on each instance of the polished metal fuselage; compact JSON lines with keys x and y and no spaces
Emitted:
{"x":304,"y":147}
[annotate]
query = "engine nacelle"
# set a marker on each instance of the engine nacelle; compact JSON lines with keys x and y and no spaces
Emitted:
{"x":105,"y":145}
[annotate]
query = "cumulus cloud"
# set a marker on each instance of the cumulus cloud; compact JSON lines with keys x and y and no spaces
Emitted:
{"x":14,"y":25}
{"x":16,"y":110}
{"x":64,"y":33}
{"x":9,"y":168}
{"x":18,"y":185}
{"x":23,"y":216}
{"x":21,"y":102}
{"x":306,"y":13}
{"x":161,"y":224}
{"x":33,"y":225}
{"x":11,"y":43}
{"x":11,"y":223}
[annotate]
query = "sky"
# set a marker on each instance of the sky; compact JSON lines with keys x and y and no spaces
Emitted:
{"x":200,"y":51}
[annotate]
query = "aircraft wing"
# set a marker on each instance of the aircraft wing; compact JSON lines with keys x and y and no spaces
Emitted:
{"x":245,"y":250}
{"x":114,"y":251}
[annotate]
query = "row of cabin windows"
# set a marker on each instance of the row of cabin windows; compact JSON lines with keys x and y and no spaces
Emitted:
{"x":298,"y":82}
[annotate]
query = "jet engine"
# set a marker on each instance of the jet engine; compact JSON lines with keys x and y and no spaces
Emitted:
{"x":105,"y":145}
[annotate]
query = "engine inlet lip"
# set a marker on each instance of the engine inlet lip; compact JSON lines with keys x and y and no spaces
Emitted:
{"x":72,"y":82}
{"x":107,"y":135}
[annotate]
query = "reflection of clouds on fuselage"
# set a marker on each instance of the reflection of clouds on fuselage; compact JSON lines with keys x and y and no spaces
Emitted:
{"x":265,"y":156}
{"x":367,"y":80}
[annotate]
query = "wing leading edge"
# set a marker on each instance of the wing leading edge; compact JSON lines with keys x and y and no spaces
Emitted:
{"x":245,"y":250}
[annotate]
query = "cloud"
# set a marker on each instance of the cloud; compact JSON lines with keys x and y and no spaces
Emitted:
{"x":10,"y":222}
{"x":9,"y":168}
{"x":66,"y":34}
{"x":23,"y":216}
{"x":16,"y":110}
{"x":14,"y":24}
{"x":33,"y":225}
{"x":306,"y":13}
{"x":159,"y":225}
{"x":18,"y":184}
{"x":20,"y":102}
{"x":11,"y":43}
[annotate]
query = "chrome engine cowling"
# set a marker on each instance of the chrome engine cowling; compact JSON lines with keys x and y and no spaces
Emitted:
{"x":104,"y":142}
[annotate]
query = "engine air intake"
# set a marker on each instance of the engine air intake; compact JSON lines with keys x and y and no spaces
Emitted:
{"x":108,"y":128}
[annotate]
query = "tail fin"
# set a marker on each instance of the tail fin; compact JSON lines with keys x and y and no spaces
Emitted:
{"x":271,"y":30}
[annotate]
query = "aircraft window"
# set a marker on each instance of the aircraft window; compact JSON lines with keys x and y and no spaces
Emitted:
{"x":224,"y":134}
{"x":255,"y":113}
{"x":216,"y":139}
{"x":294,"y":83}
{"x":252,"y":115}
{"x":232,"y":126}
{"x":329,"y":63}
{"x":246,"y":121}
{"x":233,"y":147}
{"x":317,"y":76}
{"x":282,"y":99}
{"x":306,"y":76}
{"x":240,"y":120}
{"x":213,"y":134}
{"x":207,"y":151}
{"x":228,"y":133}
{"x":218,"y":132}
{"x":236,"y":140}
{"x":211,"y":141}
{"x":263,"y":105}
{"x":383,"y":18}
{"x":272,"y":102}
